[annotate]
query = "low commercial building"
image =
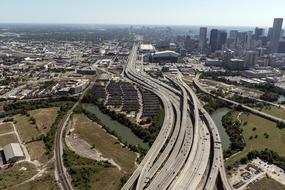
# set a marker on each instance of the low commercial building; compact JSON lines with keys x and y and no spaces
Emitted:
{"x":236,"y":64}
{"x":13,"y":152}
{"x":79,"y":86}
{"x":213,"y":62}
{"x":87,"y":71}
{"x":253,"y":73}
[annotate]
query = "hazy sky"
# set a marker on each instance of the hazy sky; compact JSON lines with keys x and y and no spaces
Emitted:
{"x":165,"y":12}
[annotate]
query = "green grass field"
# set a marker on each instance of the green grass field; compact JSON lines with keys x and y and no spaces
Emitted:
{"x":104,"y":143}
{"x":266,"y":184}
{"x":7,"y":139}
{"x":275,"y":111}
{"x":275,"y":141}
{"x":16,"y":174}
{"x":44,"y":118}
{"x":26,"y":130}
{"x":6,"y":128}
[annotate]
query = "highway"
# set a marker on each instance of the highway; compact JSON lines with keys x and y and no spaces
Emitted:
{"x":187,"y":153}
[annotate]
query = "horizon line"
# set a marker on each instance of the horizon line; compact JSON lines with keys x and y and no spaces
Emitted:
{"x":125,"y":24}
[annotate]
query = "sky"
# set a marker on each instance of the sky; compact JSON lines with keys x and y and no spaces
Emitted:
{"x":144,"y":12}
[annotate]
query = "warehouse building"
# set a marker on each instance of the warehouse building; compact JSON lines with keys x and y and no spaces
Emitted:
{"x":13,"y":152}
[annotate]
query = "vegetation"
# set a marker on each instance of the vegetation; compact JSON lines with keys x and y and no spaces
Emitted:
{"x":233,"y":129}
{"x":6,"y":128}
{"x":94,"y":118}
{"x":147,"y":134}
{"x":104,"y":143}
{"x":266,"y":184}
{"x":21,"y":107}
{"x":220,"y":76}
{"x":27,"y":129}
{"x":266,"y":155}
{"x":44,"y":118}
{"x":45,"y":182}
{"x":269,"y":96}
{"x":256,"y":126}
{"x":211,"y":103}
{"x":50,"y":137}
{"x":243,"y":100}
{"x":7,"y":139}
{"x":281,"y":125}
{"x":16,"y":174}
{"x":83,"y":170}
{"x":274,"y":110}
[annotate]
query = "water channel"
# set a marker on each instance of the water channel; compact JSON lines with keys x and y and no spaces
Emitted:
{"x":123,"y":131}
{"x":217,"y":117}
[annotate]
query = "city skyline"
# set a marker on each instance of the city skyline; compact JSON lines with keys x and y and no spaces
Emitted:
{"x":202,"y":13}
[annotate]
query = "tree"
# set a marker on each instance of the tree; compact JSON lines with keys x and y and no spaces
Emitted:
{"x":281,"y":125}
{"x":270,"y":96}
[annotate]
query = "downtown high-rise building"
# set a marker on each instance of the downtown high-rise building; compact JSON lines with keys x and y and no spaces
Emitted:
{"x":258,"y":32}
{"x":276,"y":34}
{"x":233,"y":34}
{"x":222,"y":38}
{"x":203,"y":39}
{"x":214,"y":40}
{"x":269,"y":33}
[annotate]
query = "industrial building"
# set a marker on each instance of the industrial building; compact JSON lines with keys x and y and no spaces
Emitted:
{"x":13,"y":152}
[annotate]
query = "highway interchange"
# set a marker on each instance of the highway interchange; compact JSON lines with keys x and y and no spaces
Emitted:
{"x":187,"y":154}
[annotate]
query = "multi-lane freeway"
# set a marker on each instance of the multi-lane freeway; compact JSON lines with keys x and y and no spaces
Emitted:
{"x":187,"y":153}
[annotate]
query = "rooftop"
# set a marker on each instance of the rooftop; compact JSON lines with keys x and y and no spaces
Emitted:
{"x":13,"y":150}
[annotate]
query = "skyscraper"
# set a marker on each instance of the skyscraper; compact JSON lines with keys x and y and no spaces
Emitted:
{"x":233,"y":34}
{"x":276,"y":34}
{"x":214,"y":40}
{"x":249,"y":42}
{"x":269,"y":34}
{"x":258,"y":32}
{"x":203,"y":39}
{"x":222,"y":38}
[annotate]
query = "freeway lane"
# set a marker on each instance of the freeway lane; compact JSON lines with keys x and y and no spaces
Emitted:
{"x":187,"y":153}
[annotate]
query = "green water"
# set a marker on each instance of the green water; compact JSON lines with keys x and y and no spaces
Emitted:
{"x":124,"y":132}
{"x":217,"y":117}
